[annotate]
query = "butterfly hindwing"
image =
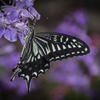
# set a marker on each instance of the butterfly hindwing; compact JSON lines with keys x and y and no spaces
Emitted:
{"x":32,"y":62}
{"x":58,"y":46}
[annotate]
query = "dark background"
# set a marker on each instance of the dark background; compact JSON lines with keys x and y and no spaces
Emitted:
{"x":56,"y":10}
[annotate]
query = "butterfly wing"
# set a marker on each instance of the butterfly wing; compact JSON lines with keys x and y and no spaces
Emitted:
{"x":32,"y":61}
{"x":58,"y":46}
{"x":40,"y":50}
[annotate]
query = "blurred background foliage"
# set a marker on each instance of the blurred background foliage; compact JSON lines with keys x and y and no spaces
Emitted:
{"x":76,"y":78}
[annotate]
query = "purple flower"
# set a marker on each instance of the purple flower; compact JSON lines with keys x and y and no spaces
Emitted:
{"x":14,"y":19}
{"x":11,"y":34}
{"x":2,"y":30}
{"x":13,"y":24}
{"x":80,"y":16}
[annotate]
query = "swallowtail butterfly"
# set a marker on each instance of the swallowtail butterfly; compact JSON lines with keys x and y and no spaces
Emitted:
{"x":41,"y":48}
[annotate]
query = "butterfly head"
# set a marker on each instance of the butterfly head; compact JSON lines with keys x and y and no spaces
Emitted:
{"x":31,"y":25}
{"x":31,"y":30}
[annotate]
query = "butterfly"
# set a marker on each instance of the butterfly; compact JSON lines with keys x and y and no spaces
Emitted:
{"x":42,"y":48}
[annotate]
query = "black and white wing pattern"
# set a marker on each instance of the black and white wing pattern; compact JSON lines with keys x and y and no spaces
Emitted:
{"x":58,"y":46}
{"x":42,"y":48}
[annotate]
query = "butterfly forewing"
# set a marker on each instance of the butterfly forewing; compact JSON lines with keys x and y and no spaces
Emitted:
{"x":56,"y":46}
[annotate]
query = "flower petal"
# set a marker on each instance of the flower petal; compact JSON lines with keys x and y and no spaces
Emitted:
{"x":34,"y":12}
{"x":20,"y":4}
{"x":26,"y":14}
{"x":13,"y":15}
{"x":8,"y":8}
{"x":9,"y":35}
{"x":1,"y":14}
{"x":2,"y":30}
{"x":4,"y":21}
{"x":21,"y":27}
{"x":21,"y":37}
{"x":29,"y":2}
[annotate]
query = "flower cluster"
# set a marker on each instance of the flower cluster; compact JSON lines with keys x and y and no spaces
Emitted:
{"x":14,"y":19}
{"x":76,"y":71}
{"x":13,"y":23}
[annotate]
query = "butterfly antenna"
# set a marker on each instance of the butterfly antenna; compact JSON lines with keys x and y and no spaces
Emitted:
{"x":44,"y":20}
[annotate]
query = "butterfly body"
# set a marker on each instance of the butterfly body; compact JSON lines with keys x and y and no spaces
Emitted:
{"x":41,"y":48}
